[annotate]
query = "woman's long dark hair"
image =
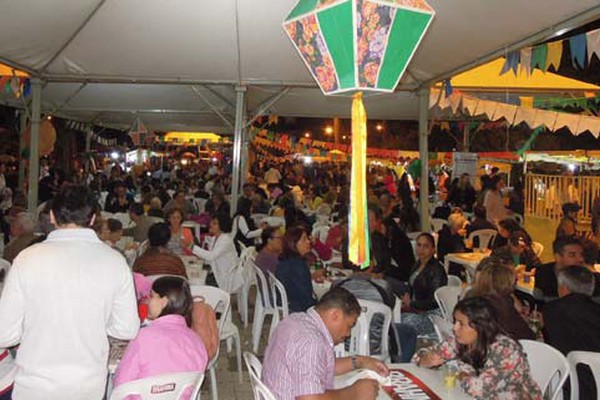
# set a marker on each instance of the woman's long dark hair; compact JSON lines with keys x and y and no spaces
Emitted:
{"x":290,"y":239}
{"x":483,"y":317}
{"x":177,"y":292}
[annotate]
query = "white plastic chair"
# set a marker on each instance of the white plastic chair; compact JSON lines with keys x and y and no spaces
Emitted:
{"x":519,"y":218}
{"x":588,"y":358}
{"x":220,"y":301}
{"x":447,"y":297}
{"x":155,"y":277}
{"x":281,"y":311}
{"x":320,"y":232}
{"x":262,"y":307}
{"x":484,"y":237}
{"x":161,"y":387}
{"x":454,"y":280}
{"x":260,"y":390}
{"x":248,"y":254}
{"x":437,"y":224}
{"x":443,"y":328}
{"x":548,"y":367}
{"x":537,"y":248}
{"x":124,"y":218}
{"x":369,"y":310}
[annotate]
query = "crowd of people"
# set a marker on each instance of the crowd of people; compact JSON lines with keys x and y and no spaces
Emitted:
{"x":70,"y":285}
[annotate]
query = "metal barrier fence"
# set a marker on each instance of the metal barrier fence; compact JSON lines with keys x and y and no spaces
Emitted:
{"x":545,"y":195}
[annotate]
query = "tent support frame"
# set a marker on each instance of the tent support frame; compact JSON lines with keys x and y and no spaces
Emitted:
{"x":424,"y":156}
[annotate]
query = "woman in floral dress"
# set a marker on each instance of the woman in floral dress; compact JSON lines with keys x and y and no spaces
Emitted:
{"x":491,"y":365}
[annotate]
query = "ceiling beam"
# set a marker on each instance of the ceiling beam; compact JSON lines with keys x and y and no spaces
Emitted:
{"x":270,"y":102}
{"x":68,"y":99}
{"x":199,"y":93}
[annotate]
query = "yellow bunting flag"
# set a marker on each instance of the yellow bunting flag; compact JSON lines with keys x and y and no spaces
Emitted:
{"x":358,"y":242}
{"x":555,"y":50}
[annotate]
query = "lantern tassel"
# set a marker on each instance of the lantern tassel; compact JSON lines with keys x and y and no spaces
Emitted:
{"x":358,"y":241}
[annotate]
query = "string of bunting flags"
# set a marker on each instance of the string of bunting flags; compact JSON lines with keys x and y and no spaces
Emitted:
{"x":550,"y":54}
{"x":18,"y":86}
{"x":514,"y":115}
{"x":289,"y":144}
{"x":87,"y":127}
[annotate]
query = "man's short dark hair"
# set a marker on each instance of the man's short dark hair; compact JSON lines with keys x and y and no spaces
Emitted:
{"x":159,"y":234}
{"x":137,"y":209}
{"x":561,"y":242}
{"x":339,"y":298}
{"x":114,"y":225}
{"x":224,"y":220}
{"x":74,"y":204}
{"x":577,"y":279}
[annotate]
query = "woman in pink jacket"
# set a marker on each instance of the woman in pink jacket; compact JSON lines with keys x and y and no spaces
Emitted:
{"x":167,"y":345}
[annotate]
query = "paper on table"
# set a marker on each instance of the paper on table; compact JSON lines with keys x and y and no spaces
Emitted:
{"x":349,"y":378}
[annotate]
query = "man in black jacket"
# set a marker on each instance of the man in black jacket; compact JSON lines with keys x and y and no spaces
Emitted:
{"x":567,"y":251}
{"x":572,"y":322}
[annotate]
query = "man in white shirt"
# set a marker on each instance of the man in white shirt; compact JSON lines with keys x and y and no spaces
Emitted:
{"x":61,"y":300}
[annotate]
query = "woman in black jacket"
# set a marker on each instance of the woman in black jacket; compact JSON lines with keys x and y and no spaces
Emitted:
{"x":426,"y":277}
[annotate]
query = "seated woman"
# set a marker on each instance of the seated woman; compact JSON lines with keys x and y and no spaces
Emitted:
{"x":222,"y":255}
{"x":179,"y":234}
{"x":293,"y":270}
{"x":497,"y":282}
{"x":425,"y":278}
{"x":167,"y":345}
{"x":245,"y":229}
{"x":158,"y":259}
{"x":505,"y":228}
{"x":491,"y":365}
{"x":452,"y":236}
{"x":267,"y":258}
{"x":520,"y":248}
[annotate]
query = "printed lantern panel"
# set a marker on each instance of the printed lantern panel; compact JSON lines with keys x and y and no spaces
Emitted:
{"x":351,"y":45}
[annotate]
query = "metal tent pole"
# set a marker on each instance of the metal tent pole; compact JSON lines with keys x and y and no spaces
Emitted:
{"x":22,"y":147}
{"x":34,"y":159}
{"x":424,"y":156}
{"x":240,"y":111}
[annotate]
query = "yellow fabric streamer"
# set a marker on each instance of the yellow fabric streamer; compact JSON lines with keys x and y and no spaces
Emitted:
{"x":555,"y":50}
{"x":358,"y":242}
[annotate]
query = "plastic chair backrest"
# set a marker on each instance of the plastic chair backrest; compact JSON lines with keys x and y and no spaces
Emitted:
{"x":155,"y":277}
{"x":143,"y":247}
{"x":278,"y":291}
{"x":260,"y":390}
{"x":124,"y":218}
{"x":443,"y":328}
{"x":519,"y":218}
{"x":369,"y":310}
{"x":262,"y":286}
{"x":484,"y":237}
{"x":161,"y":387}
{"x":447,"y":297}
{"x":437,"y":224}
{"x":548,"y":367}
{"x":588,"y":358}
{"x":321,"y":232}
{"x":537,"y":248}
{"x":218,"y":299}
{"x":454,"y":280}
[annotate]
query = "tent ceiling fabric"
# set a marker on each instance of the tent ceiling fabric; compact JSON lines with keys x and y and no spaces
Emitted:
{"x":191,"y":41}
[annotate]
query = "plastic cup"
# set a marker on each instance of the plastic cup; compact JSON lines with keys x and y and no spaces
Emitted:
{"x":450,"y":376}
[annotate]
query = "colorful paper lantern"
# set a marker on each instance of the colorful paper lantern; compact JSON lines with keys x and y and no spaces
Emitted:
{"x":351,"y":45}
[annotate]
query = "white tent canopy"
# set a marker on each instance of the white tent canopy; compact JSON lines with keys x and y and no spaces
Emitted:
{"x":106,"y":61}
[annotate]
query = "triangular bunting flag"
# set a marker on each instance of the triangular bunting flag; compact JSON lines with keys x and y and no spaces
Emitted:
{"x":526,"y":60}
{"x":571,"y":121}
{"x":539,"y":56}
{"x":546,"y":118}
{"x":506,"y":111}
{"x":555,"y":50}
{"x":578,"y":45}
{"x":593,"y":44}
{"x":591,"y":124}
{"x":511,"y":62}
{"x":525,"y":114}
{"x":470,"y":104}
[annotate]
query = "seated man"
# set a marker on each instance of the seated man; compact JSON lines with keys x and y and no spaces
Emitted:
{"x":142,"y":223}
{"x":158,"y":259}
{"x":567,"y":251}
{"x":299,"y":361}
{"x":21,"y":232}
{"x":573,"y":321}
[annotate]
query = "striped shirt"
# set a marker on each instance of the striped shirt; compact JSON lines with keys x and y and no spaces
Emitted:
{"x":299,"y":359}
